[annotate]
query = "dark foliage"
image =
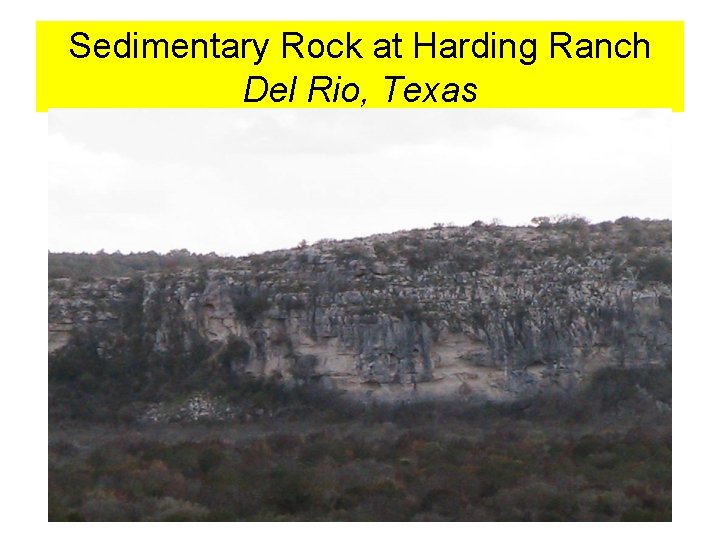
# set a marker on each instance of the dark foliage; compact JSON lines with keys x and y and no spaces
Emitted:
{"x":651,"y":268}
{"x":545,"y":460}
{"x":249,"y":306}
{"x":86,"y":266}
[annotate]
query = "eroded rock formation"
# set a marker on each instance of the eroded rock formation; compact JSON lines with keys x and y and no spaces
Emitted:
{"x":478,"y":312}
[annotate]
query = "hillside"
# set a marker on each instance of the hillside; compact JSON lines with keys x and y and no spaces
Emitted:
{"x":468,"y":314}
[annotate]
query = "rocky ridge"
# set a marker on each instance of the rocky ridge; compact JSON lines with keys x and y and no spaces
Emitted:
{"x":472,"y":313}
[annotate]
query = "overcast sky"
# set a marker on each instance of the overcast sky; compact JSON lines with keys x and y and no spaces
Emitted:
{"x":240,"y":181}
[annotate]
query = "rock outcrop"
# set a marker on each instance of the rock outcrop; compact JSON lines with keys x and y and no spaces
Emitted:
{"x":478,"y":312}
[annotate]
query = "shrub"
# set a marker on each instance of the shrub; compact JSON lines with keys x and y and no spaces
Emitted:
{"x":236,"y":352}
{"x":209,"y":459}
{"x":656,"y":268}
{"x":291,"y":492}
{"x":249,"y":305}
{"x":383,"y":251}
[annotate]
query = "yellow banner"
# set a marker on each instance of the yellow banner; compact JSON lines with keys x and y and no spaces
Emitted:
{"x":563,"y":64}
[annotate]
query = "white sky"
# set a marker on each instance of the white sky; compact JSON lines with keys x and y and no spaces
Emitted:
{"x":239,"y":181}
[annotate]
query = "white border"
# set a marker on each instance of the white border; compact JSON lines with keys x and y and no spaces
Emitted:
{"x":24,"y":267}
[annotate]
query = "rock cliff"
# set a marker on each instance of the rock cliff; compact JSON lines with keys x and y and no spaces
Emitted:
{"x":477,"y":312}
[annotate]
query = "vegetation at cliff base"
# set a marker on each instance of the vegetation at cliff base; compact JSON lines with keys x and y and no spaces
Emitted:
{"x":604,"y":455}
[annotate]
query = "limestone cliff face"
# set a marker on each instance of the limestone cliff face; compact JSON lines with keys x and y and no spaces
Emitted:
{"x":481,"y":312}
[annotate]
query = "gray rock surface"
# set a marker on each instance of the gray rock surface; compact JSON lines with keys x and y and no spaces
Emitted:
{"x":482,"y":312}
